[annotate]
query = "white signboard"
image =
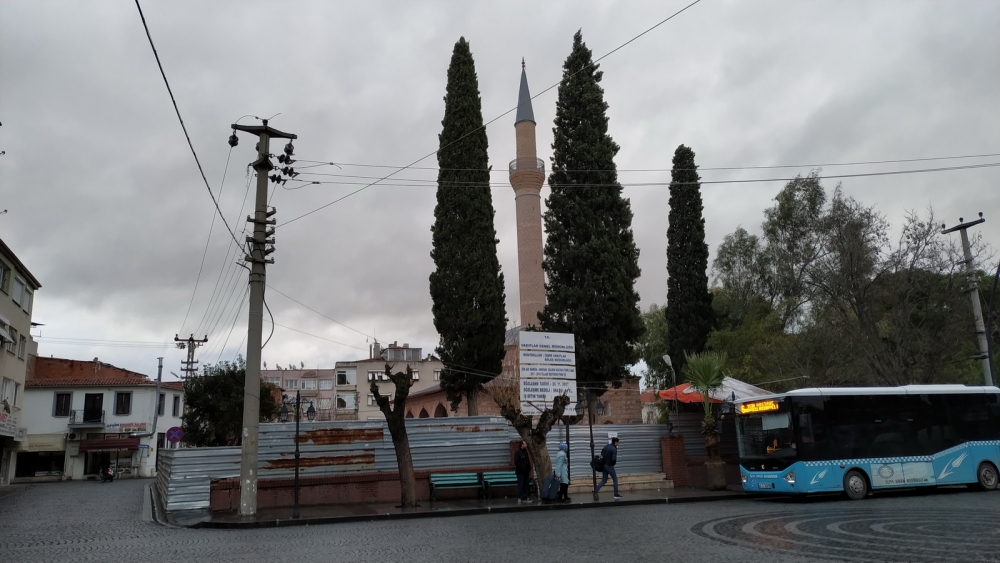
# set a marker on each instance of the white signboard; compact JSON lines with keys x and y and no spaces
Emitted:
{"x":548,"y":372}
{"x":548,"y":357}
{"x":546,"y":390}
{"x":554,"y":341}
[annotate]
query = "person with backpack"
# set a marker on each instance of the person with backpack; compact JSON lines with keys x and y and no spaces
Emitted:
{"x":522,"y":469}
{"x":610,"y":457}
{"x":560,"y":466}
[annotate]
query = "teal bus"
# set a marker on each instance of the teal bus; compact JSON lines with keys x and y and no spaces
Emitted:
{"x":856,"y":440}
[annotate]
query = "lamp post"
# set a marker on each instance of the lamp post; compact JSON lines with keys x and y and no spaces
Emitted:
{"x":590,"y":424}
{"x":311,"y":415}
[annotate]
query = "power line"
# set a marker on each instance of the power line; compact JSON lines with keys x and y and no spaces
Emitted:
{"x":500,"y":170}
{"x":179,"y":118}
{"x":315,"y":336}
{"x":319,"y":313}
{"x":483,"y":126}
{"x":700,"y":182}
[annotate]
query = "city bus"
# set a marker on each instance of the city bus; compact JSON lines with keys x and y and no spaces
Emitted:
{"x":856,"y":440}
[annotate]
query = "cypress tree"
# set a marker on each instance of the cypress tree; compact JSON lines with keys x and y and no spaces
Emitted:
{"x":466,"y":286}
{"x":591,"y":260}
{"x":689,"y":313}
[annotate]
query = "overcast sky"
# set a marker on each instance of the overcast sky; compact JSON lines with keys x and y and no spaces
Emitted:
{"x":107,"y":209}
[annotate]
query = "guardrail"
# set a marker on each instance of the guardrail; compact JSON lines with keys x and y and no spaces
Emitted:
{"x":527,"y":164}
{"x":86,"y":417}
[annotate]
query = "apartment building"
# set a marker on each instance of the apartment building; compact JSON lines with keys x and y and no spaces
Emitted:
{"x":426,"y":374}
{"x":332,"y":392}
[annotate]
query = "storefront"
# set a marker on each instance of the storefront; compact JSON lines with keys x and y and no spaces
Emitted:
{"x":42,"y":457}
{"x":118,"y":452}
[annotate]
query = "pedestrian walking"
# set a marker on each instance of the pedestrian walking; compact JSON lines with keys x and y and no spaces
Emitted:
{"x":610,"y":456}
{"x":561,"y":468}
{"x":522,"y":469}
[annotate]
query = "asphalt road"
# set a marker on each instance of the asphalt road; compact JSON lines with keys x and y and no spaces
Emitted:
{"x":89,"y":521}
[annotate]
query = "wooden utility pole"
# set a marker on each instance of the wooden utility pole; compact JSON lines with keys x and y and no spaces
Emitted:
{"x":977,"y":308}
{"x":257,"y":256}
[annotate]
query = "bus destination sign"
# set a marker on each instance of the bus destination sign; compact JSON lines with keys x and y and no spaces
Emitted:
{"x":759,"y":406}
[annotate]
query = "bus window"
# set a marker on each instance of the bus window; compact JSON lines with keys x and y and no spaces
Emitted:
{"x":766,"y":435}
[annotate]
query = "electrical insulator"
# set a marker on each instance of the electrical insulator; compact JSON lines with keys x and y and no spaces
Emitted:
{"x":289,"y":149}
{"x":233,"y":139}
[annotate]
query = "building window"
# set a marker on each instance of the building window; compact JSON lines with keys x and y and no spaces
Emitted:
{"x":325,"y":384}
{"x":26,"y":301}
{"x":123,"y":403}
{"x":161,"y":404}
{"x":7,"y":392}
{"x":4,"y":277}
{"x":324,"y":404}
{"x":415,"y":375}
{"x":346,"y":376}
{"x":437,"y":375}
{"x":18,"y":292}
{"x":276,"y":381}
{"x":346,"y":401}
{"x":22,"y":345}
{"x":371,"y":400}
{"x":12,"y":345}
{"x":377,"y":376}
{"x":292,"y":384}
{"x":177,"y":406}
{"x":63,"y":401}
{"x":308,"y":384}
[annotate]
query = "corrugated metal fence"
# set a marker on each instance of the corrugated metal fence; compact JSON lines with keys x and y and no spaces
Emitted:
{"x":334,"y":447}
{"x":688,"y":424}
{"x":638,"y":451}
{"x":337,"y":447}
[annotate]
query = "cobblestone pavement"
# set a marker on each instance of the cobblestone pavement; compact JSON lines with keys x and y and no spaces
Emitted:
{"x":89,"y":521}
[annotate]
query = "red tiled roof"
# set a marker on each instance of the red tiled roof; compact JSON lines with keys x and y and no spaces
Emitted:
{"x":99,"y":382}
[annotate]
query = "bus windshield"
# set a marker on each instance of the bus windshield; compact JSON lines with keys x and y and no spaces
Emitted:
{"x":766,"y":435}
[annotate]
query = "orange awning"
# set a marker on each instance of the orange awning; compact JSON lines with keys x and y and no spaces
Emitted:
{"x":678,"y":394}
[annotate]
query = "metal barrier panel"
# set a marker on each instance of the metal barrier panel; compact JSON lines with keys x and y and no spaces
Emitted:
{"x":639,"y":451}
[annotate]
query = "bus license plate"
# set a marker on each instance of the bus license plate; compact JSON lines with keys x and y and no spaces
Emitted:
{"x":765,"y":485}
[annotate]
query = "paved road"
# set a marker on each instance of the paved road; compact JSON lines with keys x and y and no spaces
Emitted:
{"x":89,"y":521}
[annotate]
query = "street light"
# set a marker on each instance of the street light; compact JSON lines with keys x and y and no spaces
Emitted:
{"x":283,"y":415}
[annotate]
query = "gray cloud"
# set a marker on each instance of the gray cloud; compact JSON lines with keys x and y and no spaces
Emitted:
{"x":107,"y":208}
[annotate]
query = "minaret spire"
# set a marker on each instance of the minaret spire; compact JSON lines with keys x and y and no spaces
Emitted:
{"x":527,"y":173}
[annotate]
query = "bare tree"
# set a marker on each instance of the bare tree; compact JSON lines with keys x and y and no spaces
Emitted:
{"x":395,"y":418}
{"x":505,"y":392}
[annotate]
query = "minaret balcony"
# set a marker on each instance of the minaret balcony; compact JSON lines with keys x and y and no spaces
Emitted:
{"x":527,"y":164}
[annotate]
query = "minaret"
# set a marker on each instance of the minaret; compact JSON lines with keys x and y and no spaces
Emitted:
{"x":527,"y":173}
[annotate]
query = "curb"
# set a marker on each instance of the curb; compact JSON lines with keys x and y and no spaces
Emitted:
{"x":285,"y":522}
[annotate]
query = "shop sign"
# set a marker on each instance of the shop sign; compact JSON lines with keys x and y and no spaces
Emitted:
{"x":125,"y":427}
{"x":8,"y":424}
{"x":46,"y":443}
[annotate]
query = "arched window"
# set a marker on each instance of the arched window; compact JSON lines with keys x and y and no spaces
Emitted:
{"x":423,"y":414}
{"x":409,"y":414}
{"x":440,"y":411}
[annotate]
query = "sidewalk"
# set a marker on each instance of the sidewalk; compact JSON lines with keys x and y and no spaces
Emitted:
{"x":312,"y":515}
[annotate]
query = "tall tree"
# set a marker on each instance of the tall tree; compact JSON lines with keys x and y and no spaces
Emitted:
{"x":466,"y":286}
{"x":591,"y":260}
{"x":689,"y":313}
{"x":213,"y":413}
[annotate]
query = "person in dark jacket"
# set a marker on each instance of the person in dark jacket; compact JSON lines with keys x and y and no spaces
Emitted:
{"x":522,"y":468}
{"x":610,"y":455}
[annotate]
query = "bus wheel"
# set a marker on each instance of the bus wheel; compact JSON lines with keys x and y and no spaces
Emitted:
{"x":988,"y":477}
{"x":855,"y":485}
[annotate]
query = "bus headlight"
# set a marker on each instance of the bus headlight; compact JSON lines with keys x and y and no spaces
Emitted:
{"x":790,"y":477}
{"x":743,"y":477}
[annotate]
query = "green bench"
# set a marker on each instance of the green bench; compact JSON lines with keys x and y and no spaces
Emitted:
{"x":454,"y":481}
{"x":501,"y":479}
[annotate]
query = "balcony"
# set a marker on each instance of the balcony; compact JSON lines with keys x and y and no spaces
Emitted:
{"x":527,"y":165}
{"x":86,"y":418}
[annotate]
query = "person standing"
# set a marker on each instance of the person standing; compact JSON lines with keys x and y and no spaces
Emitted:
{"x":560,"y":466}
{"x":522,"y":469}
{"x":610,"y":455}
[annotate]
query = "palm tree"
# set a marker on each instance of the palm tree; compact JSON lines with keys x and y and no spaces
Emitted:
{"x":705,"y":372}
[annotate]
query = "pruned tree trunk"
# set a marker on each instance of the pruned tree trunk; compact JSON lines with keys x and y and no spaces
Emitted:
{"x":396,"y":421}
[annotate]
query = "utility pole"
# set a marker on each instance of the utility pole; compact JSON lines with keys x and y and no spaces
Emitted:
{"x":977,"y":308}
{"x":257,"y":257}
{"x":190,"y":366}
